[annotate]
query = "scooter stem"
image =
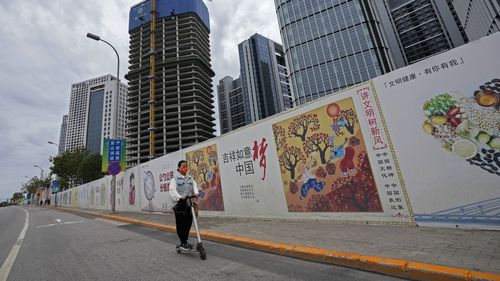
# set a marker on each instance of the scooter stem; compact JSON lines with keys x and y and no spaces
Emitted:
{"x":195,"y":224}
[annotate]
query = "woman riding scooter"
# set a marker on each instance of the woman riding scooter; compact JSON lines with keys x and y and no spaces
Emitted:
{"x":183,"y":187}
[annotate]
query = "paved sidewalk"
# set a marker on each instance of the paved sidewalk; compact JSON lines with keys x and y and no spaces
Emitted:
{"x":475,"y":250}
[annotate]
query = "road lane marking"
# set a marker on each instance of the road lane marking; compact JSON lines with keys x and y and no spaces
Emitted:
{"x":9,"y":261}
{"x":58,"y":220}
{"x":53,"y":224}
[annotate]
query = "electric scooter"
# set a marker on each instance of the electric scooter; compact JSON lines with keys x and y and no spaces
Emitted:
{"x":199,"y":245}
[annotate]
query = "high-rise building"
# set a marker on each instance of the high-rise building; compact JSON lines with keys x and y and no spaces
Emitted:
{"x":170,"y":95}
{"x":424,"y":27}
{"x":62,"y":134}
{"x":479,"y":18}
{"x":231,"y":104}
{"x":264,"y":78}
{"x":91,"y":113}
{"x":330,"y":45}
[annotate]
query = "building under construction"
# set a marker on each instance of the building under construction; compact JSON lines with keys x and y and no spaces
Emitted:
{"x":170,"y":78}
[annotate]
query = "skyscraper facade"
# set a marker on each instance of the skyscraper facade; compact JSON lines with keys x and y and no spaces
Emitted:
{"x":231,"y":104}
{"x":264,"y":78}
{"x":170,"y":95}
{"x":479,"y":18}
{"x":92,"y":113}
{"x":424,"y":27}
{"x":332,"y":44}
{"x":62,"y":134}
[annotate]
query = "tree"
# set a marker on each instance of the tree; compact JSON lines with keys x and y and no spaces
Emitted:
{"x":318,"y":142}
{"x":17,"y":197}
{"x":290,"y":158}
{"x":279,"y":136}
{"x":35,"y":183}
{"x":198,"y":156}
{"x":203,"y":170}
{"x":76,"y":165}
{"x":90,"y":168}
{"x":349,"y":117}
{"x":302,"y":124}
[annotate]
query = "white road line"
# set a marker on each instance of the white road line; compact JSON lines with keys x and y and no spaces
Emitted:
{"x":53,"y":224}
{"x":58,"y":220}
{"x":9,"y":261}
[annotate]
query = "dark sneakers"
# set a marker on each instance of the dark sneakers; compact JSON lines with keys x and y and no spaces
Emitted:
{"x":186,"y":246}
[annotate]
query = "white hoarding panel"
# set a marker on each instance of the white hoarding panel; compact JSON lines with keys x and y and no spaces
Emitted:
{"x":335,"y":161}
{"x":250,"y":174}
{"x":154,"y":181}
{"x":444,"y":121}
{"x":128,"y":190}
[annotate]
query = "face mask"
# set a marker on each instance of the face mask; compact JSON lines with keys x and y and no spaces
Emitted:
{"x":183,"y":170}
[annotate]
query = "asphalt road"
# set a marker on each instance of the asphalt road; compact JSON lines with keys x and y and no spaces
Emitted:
{"x":62,"y":246}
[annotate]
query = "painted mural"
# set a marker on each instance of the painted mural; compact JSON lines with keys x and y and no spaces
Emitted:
{"x":204,"y":167}
{"x":324,"y":163}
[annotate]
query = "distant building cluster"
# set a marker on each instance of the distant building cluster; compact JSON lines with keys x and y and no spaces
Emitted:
{"x":326,"y":46}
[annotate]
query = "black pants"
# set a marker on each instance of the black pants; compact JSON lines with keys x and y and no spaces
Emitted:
{"x":183,"y":221}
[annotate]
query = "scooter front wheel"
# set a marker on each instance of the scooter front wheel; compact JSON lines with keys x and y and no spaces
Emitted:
{"x":203,"y":254}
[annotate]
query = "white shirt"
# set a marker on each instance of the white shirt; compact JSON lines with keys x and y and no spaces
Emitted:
{"x":172,"y":189}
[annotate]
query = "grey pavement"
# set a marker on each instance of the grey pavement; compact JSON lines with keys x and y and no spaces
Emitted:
{"x":64,"y":246}
{"x":477,"y":250}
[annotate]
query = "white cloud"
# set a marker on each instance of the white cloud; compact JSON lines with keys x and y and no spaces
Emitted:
{"x":43,"y":50}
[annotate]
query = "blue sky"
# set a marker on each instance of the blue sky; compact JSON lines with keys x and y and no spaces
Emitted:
{"x":43,"y":50}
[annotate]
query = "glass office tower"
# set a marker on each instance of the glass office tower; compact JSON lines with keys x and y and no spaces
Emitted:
{"x":331,"y":44}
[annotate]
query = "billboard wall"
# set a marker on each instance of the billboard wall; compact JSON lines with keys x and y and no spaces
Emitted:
{"x":443,"y":116}
{"x":419,"y":145}
{"x":154,"y":183}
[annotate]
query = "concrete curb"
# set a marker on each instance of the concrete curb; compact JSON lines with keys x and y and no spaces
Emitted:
{"x":392,"y":267}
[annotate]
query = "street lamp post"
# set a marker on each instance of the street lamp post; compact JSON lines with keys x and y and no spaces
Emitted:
{"x":41,"y":171}
{"x":56,"y":144}
{"x":41,"y":176}
{"x":114,"y":132}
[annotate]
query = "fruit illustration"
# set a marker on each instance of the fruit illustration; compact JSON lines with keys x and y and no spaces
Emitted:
{"x":439,"y":120}
{"x":455,"y":122}
{"x":427,"y":128}
{"x":453,"y":112}
{"x":495,"y":143}
{"x":469,"y":127}
{"x":483,"y":137}
{"x":464,"y":148}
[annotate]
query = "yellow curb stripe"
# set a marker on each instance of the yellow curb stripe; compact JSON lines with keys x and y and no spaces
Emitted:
{"x":387,"y":266}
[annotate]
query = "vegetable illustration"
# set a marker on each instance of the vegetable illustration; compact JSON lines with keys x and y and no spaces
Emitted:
{"x":469,"y":127}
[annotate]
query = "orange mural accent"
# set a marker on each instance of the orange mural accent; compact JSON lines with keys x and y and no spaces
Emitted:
{"x":323,"y":161}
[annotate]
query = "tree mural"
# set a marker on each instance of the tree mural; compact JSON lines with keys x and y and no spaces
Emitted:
{"x":311,"y":151}
{"x":203,"y":165}
{"x":318,"y":142}
{"x":302,"y":124}
{"x":279,"y":136}
{"x":203,"y":170}
{"x":348,"y":119}
{"x":290,"y":158}
{"x":198,"y":156}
